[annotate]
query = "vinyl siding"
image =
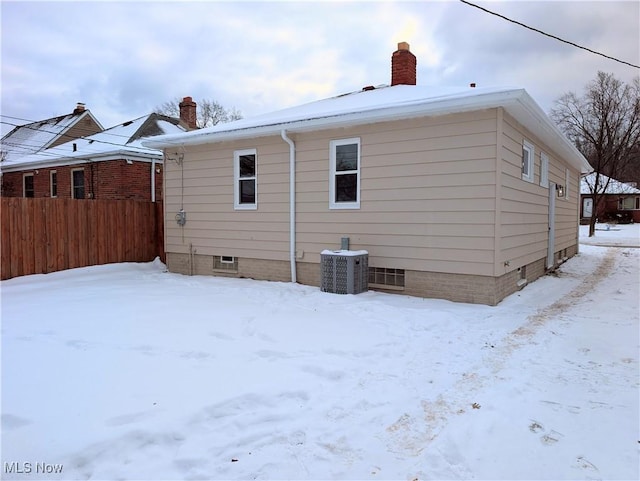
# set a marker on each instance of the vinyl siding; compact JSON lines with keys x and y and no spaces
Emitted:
{"x":427,"y":194}
{"x":213,"y":226}
{"x":86,"y":126}
{"x":523,"y":218}
{"x":442,"y":194}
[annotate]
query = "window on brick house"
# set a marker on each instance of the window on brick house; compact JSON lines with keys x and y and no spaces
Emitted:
{"x":629,"y":203}
{"x":53,"y":183}
{"x":27,"y":184}
{"x":77,"y":184}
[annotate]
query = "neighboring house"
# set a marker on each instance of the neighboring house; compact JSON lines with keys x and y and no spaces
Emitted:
{"x":111,"y":164}
{"x":37,"y":136}
{"x":458,"y":193}
{"x":620,"y":201}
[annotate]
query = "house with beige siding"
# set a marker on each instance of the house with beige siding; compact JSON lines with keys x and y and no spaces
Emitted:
{"x":465,"y":194}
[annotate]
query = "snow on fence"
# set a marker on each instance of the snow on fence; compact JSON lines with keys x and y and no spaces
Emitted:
{"x":41,"y":235}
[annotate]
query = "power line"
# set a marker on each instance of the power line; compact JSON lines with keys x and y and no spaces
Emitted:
{"x":53,"y":151}
{"x":46,"y":121}
{"x":548,"y":34}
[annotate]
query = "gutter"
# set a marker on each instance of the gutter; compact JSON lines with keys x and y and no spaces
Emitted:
{"x":339,"y":118}
{"x":517,"y":102}
{"x":18,"y":165}
{"x":292,"y":203}
{"x":153,"y":180}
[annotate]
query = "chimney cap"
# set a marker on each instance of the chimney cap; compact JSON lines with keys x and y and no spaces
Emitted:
{"x":403,"y":46}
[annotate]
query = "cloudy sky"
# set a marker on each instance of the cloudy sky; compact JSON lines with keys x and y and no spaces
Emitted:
{"x":123,"y":59}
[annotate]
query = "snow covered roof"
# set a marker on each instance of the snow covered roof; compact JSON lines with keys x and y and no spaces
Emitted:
{"x":36,"y":136}
{"x":382,"y":104}
{"x":606,"y":185}
{"x":118,"y":142}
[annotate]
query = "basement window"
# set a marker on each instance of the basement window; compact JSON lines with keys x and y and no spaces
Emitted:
{"x":527,"y":161}
{"x":225,"y":263}
{"x":522,"y":276}
{"x":384,"y":277}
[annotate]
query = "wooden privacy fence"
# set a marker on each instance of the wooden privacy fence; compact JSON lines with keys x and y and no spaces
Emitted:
{"x":41,"y":235}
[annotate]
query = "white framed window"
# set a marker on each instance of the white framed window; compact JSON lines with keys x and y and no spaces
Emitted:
{"x":245,"y":179}
{"x":544,"y":170}
{"x":628,"y":203}
{"x":527,"y":161}
{"x":344,"y":174}
{"x":77,"y":184}
{"x":567,"y":179}
{"x":53,"y":183}
{"x":27,"y":185}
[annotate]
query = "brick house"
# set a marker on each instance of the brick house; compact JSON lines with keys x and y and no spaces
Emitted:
{"x":111,"y":164}
{"x":619,"y":201}
{"x":45,"y":134}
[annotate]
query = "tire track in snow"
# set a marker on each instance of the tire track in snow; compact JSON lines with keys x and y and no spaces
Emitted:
{"x":568,"y":301}
{"x":411,"y":434}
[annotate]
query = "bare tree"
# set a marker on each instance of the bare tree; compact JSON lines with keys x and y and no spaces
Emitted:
{"x":604,"y":124}
{"x":209,"y":112}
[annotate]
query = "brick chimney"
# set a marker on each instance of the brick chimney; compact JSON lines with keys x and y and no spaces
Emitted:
{"x":79,"y":108}
{"x":403,"y":66}
{"x":188,"y":112}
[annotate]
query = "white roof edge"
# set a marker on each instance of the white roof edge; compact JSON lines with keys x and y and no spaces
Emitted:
{"x":550,"y":132}
{"x":397,"y":112}
{"x":613,"y":186}
{"x":83,"y":159}
{"x":516,"y":101}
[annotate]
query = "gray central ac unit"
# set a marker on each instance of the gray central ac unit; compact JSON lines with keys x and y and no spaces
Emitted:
{"x":344,"y":271}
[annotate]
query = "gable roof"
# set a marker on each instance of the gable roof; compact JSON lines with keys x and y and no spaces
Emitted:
{"x":123,"y":141}
{"x":36,"y":136}
{"x":387,"y":103}
{"x":606,"y":185}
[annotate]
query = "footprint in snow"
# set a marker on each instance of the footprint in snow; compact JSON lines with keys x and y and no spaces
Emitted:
{"x":549,"y":437}
{"x":589,"y":467}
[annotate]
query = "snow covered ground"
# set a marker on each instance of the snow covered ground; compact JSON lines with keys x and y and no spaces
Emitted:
{"x":627,"y":235}
{"x":125,"y":371}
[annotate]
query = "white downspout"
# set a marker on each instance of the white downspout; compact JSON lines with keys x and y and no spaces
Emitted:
{"x":292,"y":203}
{"x":153,"y":180}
